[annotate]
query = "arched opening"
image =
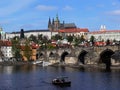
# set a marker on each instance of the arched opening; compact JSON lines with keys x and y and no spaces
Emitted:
{"x":105,"y":57}
{"x":81,"y":57}
{"x":51,"y":54}
{"x":37,"y":56}
{"x":63,"y":56}
{"x":40,"y":55}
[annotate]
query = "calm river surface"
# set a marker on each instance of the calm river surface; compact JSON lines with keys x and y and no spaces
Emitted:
{"x":35,"y":77}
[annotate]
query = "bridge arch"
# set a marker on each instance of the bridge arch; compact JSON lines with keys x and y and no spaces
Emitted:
{"x":81,"y":56}
{"x":105,"y":57}
{"x":63,"y":55}
{"x":51,"y":54}
{"x":41,"y":54}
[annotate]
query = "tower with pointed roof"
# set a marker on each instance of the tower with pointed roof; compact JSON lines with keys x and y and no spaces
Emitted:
{"x":55,"y":24}
{"x":49,"y":24}
{"x":102,"y":28}
{"x":2,"y":34}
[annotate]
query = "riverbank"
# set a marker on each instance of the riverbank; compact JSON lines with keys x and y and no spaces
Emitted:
{"x":9,"y":63}
{"x":88,"y":66}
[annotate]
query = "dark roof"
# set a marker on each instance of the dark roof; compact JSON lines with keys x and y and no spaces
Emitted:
{"x":45,"y":30}
{"x":27,"y":31}
{"x":69,"y":25}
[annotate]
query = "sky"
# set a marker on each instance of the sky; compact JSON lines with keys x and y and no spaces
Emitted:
{"x":34,"y":14}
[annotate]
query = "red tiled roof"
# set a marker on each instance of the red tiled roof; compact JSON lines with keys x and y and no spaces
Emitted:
{"x":6,"y":43}
{"x":33,"y":46}
{"x":74,"y":30}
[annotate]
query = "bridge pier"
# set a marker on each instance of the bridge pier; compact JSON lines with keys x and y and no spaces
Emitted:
{"x":71,"y":60}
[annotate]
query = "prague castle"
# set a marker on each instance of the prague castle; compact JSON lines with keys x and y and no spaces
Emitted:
{"x":56,"y":25}
{"x":62,"y":28}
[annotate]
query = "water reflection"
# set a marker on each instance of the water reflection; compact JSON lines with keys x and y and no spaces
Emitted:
{"x":18,"y":68}
{"x":33,"y":77}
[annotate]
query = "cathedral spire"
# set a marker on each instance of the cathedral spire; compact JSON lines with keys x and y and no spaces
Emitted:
{"x":53,"y":21}
{"x":49,"y":23}
{"x":57,"y":19}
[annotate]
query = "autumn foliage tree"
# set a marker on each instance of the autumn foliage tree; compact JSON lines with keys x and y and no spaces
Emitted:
{"x":27,"y":50}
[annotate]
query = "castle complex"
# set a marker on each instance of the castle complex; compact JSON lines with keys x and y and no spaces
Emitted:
{"x":56,"y":27}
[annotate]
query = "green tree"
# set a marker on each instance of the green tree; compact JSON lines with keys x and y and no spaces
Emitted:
{"x":40,"y":36}
{"x":92,"y":39}
{"x":69,"y":38}
{"x":76,"y":41}
{"x":33,"y":38}
{"x":56,"y":37}
{"x":16,"y":47}
{"x":108,"y":42}
{"x":82,"y":39}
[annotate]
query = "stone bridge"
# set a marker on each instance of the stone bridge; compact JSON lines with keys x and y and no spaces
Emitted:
{"x":81,"y":55}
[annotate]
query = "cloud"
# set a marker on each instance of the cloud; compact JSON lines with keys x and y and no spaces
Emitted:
{"x":114,"y":3}
{"x":14,"y":6}
{"x":115,"y":12}
{"x":67,"y":8}
{"x":46,"y":8}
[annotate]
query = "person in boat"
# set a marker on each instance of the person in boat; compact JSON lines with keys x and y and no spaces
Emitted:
{"x":59,"y":80}
{"x":56,"y":80}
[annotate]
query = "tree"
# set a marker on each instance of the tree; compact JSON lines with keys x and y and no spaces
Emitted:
{"x":33,"y":38}
{"x":76,"y":41}
{"x":108,"y":42}
{"x":27,"y":50}
{"x":16,"y":47}
{"x":69,"y":38}
{"x":92,"y":39}
{"x":57,"y":37}
{"x":40,"y":36}
{"x":1,"y":43}
{"x":82,"y":39}
{"x":22,"y":34}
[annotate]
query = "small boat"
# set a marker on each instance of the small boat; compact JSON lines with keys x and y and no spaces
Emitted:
{"x":61,"y":81}
{"x":45,"y":63}
{"x":37,"y":62}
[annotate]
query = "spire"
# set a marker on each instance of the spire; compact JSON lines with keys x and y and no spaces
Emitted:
{"x":63,"y":24}
{"x":49,"y":22}
{"x":103,"y":28}
{"x":53,"y":21}
{"x":57,"y":19}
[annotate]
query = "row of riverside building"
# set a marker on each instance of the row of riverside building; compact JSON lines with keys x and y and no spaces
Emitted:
{"x":64,"y":29}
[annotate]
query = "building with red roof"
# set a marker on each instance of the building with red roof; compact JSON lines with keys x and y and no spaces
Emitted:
{"x":32,"y":48}
{"x":74,"y":32}
{"x":6,"y":49}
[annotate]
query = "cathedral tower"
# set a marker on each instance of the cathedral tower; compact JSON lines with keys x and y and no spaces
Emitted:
{"x":54,"y":25}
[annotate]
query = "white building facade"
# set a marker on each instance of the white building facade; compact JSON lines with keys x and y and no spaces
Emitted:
{"x":31,"y":32}
{"x":104,"y":34}
{"x":6,"y":50}
{"x":100,"y":35}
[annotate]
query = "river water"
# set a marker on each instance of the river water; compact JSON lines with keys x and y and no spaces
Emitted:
{"x":35,"y":77}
